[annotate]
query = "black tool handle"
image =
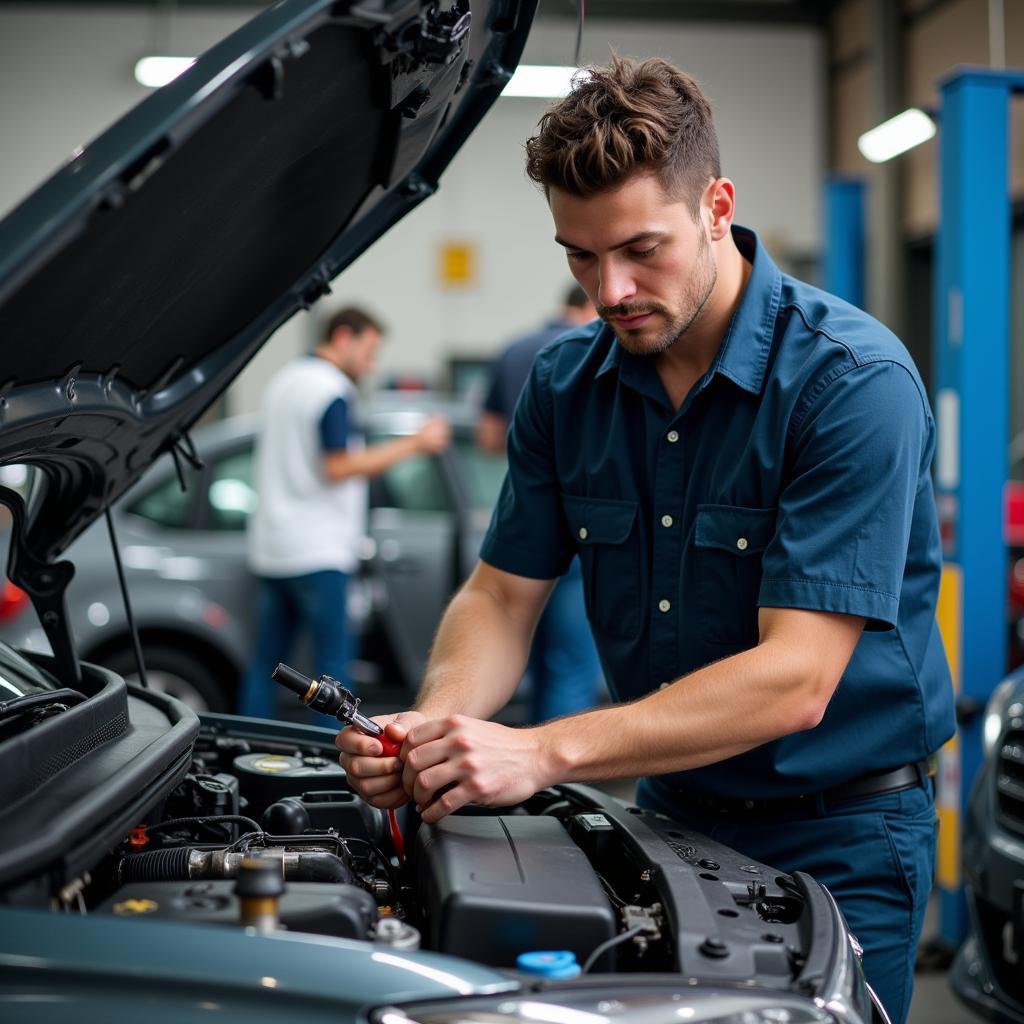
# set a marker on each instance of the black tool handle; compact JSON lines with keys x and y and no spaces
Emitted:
{"x":295,"y":681}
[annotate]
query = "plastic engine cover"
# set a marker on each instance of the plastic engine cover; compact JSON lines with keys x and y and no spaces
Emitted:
{"x":496,"y":887}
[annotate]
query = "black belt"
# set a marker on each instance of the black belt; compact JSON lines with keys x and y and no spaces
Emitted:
{"x":906,"y":777}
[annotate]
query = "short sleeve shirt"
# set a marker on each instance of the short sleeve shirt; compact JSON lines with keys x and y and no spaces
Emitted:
{"x":794,"y":475}
{"x":512,"y":368}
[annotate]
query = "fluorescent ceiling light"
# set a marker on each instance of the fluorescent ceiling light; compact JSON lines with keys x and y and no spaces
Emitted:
{"x":540,"y":80}
{"x":897,"y":135}
{"x":153,"y":72}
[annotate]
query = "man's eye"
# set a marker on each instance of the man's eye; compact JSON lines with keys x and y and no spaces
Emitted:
{"x":577,"y":255}
{"x":642,"y":254}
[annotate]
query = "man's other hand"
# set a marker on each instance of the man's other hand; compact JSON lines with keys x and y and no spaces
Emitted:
{"x":435,"y":435}
{"x":378,"y":780}
{"x":471,"y":762}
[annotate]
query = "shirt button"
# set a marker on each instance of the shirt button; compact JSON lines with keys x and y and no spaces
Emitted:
{"x":583,"y":535}
{"x":664,"y":605}
{"x":662,"y":686}
{"x":666,"y":520}
{"x":742,"y":543}
{"x":672,"y":436}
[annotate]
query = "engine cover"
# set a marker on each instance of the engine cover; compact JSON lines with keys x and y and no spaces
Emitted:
{"x":495,"y":887}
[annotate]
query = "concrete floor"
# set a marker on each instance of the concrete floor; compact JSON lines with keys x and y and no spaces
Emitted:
{"x":934,"y":1002}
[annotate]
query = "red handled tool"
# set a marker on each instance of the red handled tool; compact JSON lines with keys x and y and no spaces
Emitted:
{"x":329,"y":697}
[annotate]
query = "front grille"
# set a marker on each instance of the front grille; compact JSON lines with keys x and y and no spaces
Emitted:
{"x":1010,"y":779}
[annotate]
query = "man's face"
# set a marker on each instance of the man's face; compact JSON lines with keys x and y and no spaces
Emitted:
{"x":359,"y":352}
{"x":646,"y":264}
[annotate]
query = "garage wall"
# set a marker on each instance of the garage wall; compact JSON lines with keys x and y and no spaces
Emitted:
{"x":65,"y":74}
{"x":937,"y":36}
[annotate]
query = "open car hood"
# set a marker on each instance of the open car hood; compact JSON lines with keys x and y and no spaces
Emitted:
{"x":141,"y":278}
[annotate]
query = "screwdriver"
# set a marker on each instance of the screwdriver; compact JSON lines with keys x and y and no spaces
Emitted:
{"x":329,"y":697}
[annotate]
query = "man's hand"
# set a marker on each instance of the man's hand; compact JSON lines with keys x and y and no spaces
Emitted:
{"x":434,"y":436}
{"x":473,"y":762}
{"x":378,"y":780}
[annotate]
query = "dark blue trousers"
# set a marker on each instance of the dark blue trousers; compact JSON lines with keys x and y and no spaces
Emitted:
{"x":288,"y":605}
{"x":565,"y":673}
{"x":875,"y":855}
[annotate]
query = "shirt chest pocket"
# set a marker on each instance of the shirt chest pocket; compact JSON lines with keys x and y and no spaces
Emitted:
{"x":607,"y":534}
{"x":729,"y":542}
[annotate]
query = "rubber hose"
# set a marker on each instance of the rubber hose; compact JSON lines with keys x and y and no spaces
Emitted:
{"x":156,"y":866}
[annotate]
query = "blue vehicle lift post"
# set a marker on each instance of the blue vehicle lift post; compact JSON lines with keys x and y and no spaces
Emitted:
{"x":844,"y":239}
{"x":972,"y":350}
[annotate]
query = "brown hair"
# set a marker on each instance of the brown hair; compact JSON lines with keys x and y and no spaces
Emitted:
{"x":627,"y":117}
{"x":355,"y":319}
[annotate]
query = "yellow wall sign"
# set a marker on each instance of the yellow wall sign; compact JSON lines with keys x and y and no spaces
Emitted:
{"x":457,"y":264}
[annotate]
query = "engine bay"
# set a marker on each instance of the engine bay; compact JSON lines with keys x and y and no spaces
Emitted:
{"x":570,"y":869}
{"x":146,"y":813}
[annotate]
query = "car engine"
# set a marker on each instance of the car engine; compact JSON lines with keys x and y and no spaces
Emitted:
{"x":569,"y":869}
{"x":126,"y":805}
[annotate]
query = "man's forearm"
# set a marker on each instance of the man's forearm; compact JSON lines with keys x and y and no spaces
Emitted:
{"x":717,"y":712}
{"x":371,"y":461}
{"x":478,"y":657}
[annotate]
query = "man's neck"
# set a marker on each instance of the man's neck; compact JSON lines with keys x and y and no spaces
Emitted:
{"x":328,"y":353}
{"x":682,"y":365}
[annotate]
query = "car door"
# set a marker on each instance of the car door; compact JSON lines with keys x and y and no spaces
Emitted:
{"x":413,"y":557}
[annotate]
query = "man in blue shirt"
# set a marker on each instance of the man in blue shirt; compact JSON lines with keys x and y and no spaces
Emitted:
{"x":565,"y":674}
{"x":742,"y":463}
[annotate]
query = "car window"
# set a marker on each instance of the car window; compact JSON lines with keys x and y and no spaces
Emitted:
{"x":167,"y":504}
{"x":414,"y":485}
{"x":231,"y":497}
{"x":481,"y":473}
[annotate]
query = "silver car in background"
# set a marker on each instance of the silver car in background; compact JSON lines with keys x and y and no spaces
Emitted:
{"x":194,"y":599}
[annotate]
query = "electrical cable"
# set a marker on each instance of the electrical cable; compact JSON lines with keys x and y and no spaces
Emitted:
{"x":205,"y":819}
{"x":134,"y":633}
{"x":28,"y":701}
{"x":381,"y":859}
{"x":579,"y":37}
{"x":605,"y":946}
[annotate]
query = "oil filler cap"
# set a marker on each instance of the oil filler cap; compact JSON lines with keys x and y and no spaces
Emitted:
{"x":552,"y":964}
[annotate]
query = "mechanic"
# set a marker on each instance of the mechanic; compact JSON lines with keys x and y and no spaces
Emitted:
{"x":310,"y":478}
{"x":564,"y":671}
{"x":742,"y":463}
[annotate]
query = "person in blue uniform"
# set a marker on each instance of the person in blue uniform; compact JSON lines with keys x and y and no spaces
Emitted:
{"x":741,"y":462}
{"x":564,"y":671}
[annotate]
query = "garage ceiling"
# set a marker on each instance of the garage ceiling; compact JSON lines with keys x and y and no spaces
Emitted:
{"x":789,"y":12}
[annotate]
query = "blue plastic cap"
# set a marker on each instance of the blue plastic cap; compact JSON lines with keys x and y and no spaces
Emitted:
{"x":555,"y":964}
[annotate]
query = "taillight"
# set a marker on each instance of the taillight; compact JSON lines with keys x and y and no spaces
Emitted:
{"x":13,"y":601}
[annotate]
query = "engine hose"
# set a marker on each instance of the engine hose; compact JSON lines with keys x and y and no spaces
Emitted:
{"x":156,"y":866}
{"x":182,"y":864}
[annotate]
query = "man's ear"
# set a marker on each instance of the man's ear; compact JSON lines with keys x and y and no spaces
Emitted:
{"x":721,"y":207}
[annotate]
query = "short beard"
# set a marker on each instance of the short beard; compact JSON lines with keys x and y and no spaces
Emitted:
{"x":694,"y":298}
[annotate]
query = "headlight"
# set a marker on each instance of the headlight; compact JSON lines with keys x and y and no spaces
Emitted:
{"x":998,"y":709}
{"x":650,"y":1002}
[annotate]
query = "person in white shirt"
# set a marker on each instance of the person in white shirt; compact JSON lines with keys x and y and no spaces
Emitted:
{"x":311,"y":475}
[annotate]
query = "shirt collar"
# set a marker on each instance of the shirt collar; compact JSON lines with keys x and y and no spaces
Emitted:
{"x":743,"y":355}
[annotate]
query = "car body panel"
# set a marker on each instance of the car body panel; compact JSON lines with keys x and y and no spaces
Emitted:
{"x":97,"y":969}
{"x":190,"y":584}
{"x":988,"y":973}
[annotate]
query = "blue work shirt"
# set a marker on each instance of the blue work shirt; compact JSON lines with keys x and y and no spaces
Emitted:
{"x":512,"y":368}
{"x":794,"y":475}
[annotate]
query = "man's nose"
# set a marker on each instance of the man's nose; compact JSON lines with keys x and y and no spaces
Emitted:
{"x":615,"y":284}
